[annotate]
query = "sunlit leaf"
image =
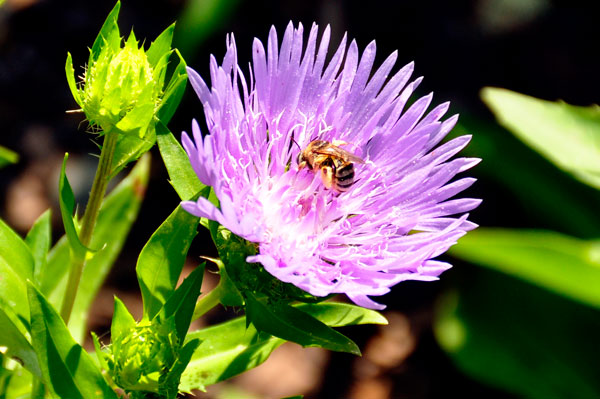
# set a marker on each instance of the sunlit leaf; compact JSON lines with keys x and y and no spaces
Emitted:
{"x":173,"y":92}
{"x":161,"y":260}
{"x":520,"y":338}
{"x":18,"y":347}
{"x":38,"y":239}
{"x":66,"y":367}
{"x":67,"y":207}
{"x":336,"y":314}
{"x":7,"y":157}
{"x":109,"y":33}
{"x":160,"y":46}
{"x":567,"y":135}
{"x":180,"y":305}
{"x":15,"y":253}
{"x":181,"y":174}
{"x":562,"y":264}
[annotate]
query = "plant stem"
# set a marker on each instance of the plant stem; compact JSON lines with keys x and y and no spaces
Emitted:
{"x":209,"y":301}
{"x":88,"y":222}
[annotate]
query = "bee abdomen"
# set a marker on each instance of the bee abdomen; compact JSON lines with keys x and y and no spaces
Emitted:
{"x":344,"y":177}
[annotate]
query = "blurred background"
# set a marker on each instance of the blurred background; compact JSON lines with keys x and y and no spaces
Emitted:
{"x":480,"y":331}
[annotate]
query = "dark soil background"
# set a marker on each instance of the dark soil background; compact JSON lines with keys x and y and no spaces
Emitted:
{"x":539,"y":47}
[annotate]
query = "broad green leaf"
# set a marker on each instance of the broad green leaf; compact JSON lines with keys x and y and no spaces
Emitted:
{"x":559,"y":263}
{"x":122,"y":321}
{"x":118,"y":213}
{"x":66,"y":367}
{"x":229,"y":348}
{"x":226,"y":350}
{"x":542,"y":190}
{"x":18,"y":347}
{"x":38,"y":239}
{"x":7,"y":157}
{"x":518,"y":337}
{"x":67,"y":207}
{"x":15,"y":253}
{"x":289,"y":323}
{"x":161,"y":260}
{"x":336,"y":314}
{"x":569,"y":136}
{"x":173,"y":92}
{"x":180,"y":305}
{"x":160,"y":46}
{"x":108,"y":35}
{"x":182,"y":175}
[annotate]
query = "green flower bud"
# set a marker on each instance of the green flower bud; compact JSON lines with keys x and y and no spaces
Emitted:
{"x":141,"y":355}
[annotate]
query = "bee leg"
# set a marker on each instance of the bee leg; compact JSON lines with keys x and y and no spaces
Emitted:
{"x":338,"y":143}
{"x":327,"y":176}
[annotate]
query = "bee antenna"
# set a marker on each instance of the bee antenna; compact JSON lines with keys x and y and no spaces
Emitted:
{"x":296,"y":143}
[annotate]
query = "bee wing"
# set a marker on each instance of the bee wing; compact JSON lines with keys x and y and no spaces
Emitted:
{"x":339,"y":153}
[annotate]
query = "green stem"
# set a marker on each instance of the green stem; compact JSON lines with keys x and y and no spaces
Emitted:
{"x":209,"y":301}
{"x":89,"y":220}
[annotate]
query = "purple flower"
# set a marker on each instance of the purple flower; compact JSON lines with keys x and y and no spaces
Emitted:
{"x":395,"y":218}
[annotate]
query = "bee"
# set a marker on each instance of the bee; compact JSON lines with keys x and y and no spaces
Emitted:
{"x":335,"y":164}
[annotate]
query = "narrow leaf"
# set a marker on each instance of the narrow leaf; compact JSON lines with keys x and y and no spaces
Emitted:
{"x":18,"y":347}
{"x":38,"y":239}
{"x":173,"y":92}
{"x":15,"y":253}
{"x":336,"y":314}
{"x":109,"y":33}
{"x":160,"y":46}
{"x":66,"y":366}
{"x":569,"y":136}
{"x":67,"y":207}
{"x":294,"y":325}
{"x":7,"y":157}
{"x":182,"y":302}
{"x":169,"y":385}
{"x":161,"y":260}
{"x":562,"y":264}
{"x":70,"y":72}
{"x":182,"y":175}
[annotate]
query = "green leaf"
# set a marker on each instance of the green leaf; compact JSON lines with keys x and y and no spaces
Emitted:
{"x":174,"y":91}
{"x":160,"y":46}
{"x":15,"y":253}
{"x":18,"y":347}
{"x":130,"y":147}
{"x":169,"y":383}
{"x":226,"y":350}
{"x":518,"y":337}
{"x":180,"y":305}
{"x":291,"y":324}
{"x":108,"y":35}
{"x":122,"y":321}
{"x":55,"y":270}
{"x":38,"y":239}
{"x":7,"y":157}
{"x":66,"y":366}
{"x":336,"y":314}
{"x":542,"y":190}
{"x":161,"y":260}
{"x":229,"y":348}
{"x":559,"y":263}
{"x":67,"y":207}
{"x":182,"y":175}
{"x":569,"y":136}
{"x":70,"y":72}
